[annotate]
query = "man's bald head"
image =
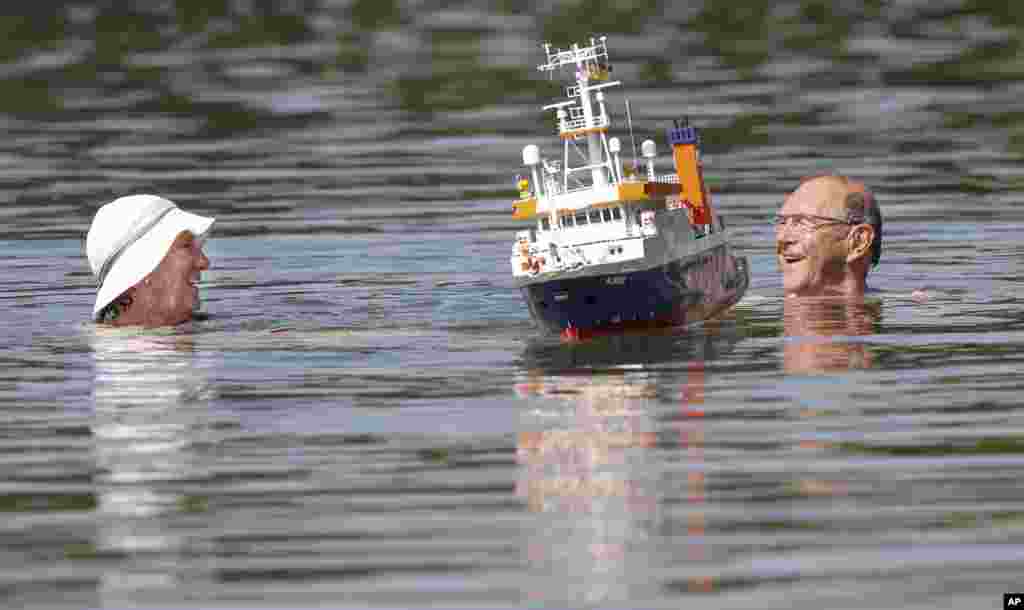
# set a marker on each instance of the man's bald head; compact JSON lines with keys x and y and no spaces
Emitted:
{"x":857,"y":205}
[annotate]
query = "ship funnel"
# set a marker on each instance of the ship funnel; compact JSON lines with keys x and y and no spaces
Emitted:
{"x":684,"y":142}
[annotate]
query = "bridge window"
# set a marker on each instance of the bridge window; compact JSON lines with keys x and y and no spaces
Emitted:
{"x":607,"y":214}
{"x":581,"y":218}
{"x":617,"y":213}
{"x":545,"y":224}
{"x":595,"y":216}
{"x":567,"y":222}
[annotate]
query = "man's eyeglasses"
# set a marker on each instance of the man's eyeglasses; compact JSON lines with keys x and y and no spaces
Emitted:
{"x":808,"y":223}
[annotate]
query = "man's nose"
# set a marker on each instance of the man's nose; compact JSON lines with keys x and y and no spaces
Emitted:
{"x":202,"y":263}
{"x":782,"y":241}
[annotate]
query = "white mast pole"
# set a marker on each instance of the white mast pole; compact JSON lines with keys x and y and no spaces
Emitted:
{"x":593,"y":139}
{"x":612,"y":173}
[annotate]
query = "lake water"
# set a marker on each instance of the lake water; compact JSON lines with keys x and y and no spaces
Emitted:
{"x":368,"y":416}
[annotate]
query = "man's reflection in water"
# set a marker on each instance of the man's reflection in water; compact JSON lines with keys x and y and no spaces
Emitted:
{"x":150,"y":405}
{"x":604,"y":444}
{"x":826,"y":335}
{"x":823,"y":334}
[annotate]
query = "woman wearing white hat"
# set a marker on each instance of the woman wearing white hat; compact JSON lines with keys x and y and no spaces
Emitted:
{"x":146,"y":254}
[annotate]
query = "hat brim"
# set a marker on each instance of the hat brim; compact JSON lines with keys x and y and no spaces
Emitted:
{"x":142,"y":257}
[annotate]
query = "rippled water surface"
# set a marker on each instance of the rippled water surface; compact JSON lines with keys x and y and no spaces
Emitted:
{"x":368,"y":417}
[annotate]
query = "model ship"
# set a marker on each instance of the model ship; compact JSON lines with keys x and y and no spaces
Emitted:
{"x":617,"y":247}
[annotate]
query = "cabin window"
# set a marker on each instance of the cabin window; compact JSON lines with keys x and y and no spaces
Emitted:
{"x":581,"y":218}
{"x":545,"y":224}
{"x":617,"y":213}
{"x":607,"y":214}
{"x":595,"y":216}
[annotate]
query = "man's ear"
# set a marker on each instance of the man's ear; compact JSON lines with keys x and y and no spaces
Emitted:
{"x":860,"y":239}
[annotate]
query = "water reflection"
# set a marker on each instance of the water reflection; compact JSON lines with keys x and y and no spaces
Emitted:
{"x":825,"y":334}
{"x":220,"y":105}
{"x":585,"y":464}
{"x":150,"y":405}
{"x":592,"y":460}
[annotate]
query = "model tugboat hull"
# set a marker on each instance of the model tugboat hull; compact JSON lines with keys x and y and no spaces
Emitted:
{"x":678,"y":293}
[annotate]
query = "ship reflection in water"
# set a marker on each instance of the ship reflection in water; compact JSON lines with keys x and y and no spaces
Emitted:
{"x":592,"y":454}
{"x":827,"y":334}
{"x":583,"y":469}
{"x":150,"y":406}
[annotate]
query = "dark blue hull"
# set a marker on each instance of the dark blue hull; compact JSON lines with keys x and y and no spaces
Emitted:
{"x":674,"y":294}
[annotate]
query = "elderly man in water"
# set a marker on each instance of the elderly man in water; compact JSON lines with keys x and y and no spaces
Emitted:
{"x":828,"y":234}
{"x":147,"y":256}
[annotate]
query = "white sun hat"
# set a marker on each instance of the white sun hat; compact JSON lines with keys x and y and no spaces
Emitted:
{"x":130,"y":236}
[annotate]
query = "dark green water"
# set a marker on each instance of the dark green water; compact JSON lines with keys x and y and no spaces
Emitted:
{"x":368,"y":418}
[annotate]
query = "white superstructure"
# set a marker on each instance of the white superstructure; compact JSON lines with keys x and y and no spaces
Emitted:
{"x":589,"y":208}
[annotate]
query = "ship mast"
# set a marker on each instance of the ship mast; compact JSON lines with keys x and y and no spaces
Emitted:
{"x":578,"y":119}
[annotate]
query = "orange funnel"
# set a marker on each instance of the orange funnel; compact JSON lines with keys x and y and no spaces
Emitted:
{"x":693,"y":193}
